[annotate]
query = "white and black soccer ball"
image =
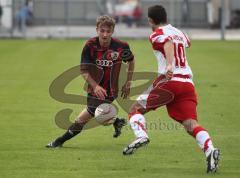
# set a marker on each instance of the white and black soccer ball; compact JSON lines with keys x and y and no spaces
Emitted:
{"x":105,"y":113}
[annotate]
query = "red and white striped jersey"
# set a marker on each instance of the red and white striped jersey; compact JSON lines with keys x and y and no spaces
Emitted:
{"x":180,"y":41}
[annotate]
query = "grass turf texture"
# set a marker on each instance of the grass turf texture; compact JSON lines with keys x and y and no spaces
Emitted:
{"x":27,"y":112}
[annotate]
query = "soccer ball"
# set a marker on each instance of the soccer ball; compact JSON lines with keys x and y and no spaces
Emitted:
{"x":105,"y":113}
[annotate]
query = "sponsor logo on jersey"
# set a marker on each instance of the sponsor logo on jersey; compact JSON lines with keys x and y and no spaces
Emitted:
{"x":104,"y":63}
{"x":114,"y":55}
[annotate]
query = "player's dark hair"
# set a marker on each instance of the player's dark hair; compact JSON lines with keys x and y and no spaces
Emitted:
{"x":158,"y":14}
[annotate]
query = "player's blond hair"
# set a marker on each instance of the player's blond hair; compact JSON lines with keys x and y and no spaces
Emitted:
{"x":105,"y":20}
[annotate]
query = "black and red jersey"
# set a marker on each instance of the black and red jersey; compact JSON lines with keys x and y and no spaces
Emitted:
{"x":104,"y":64}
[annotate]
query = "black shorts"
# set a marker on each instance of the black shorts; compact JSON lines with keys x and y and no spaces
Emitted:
{"x":93,"y":102}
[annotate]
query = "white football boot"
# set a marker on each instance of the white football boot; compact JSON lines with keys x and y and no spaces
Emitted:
{"x":138,"y":143}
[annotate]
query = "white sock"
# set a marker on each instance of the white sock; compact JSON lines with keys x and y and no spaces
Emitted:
{"x":138,"y":125}
{"x":204,"y":141}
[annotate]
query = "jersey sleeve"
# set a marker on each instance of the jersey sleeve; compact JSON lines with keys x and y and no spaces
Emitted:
{"x":158,"y":39}
{"x":85,"y":59}
{"x":162,"y":39}
{"x":127,"y":54}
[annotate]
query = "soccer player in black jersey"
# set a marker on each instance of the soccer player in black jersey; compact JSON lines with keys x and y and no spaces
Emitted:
{"x":101,"y":61}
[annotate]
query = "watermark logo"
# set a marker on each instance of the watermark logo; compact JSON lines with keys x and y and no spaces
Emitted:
{"x":57,"y":92}
{"x":118,"y":76}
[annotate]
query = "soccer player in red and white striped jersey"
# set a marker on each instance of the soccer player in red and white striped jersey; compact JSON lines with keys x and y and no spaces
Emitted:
{"x":173,"y":87}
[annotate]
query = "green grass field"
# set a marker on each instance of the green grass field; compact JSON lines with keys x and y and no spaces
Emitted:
{"x":27,"y":113}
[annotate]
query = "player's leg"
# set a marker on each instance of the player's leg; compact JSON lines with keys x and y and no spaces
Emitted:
{"x":154,"y":97}
{"x":200,"y":134}
{"x":82,"y":119}
{"x":183,"y":109}
{"x":205,"y":143}
{"x":73,"y":130}
{"x":138,"y":125}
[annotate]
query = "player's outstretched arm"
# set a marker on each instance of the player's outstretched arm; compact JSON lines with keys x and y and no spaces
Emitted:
{"x":127,"y":85}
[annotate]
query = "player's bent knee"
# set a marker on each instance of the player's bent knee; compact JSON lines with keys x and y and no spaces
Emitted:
{"x":82,"y":120}
{"x":136,"y":109}
{"x":189,"y":125}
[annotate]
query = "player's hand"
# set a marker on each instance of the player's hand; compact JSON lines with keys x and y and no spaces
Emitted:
{"x":169,"y":72}
{"x":126,"y":89}
{"x":100,"y":92}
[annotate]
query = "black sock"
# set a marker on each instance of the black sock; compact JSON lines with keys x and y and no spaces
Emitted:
{"x":72,"y":131}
